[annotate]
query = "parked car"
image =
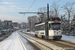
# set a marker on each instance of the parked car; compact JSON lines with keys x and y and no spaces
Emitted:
{"x":28,"y":30}
{"x":10,"y":30}
{"x":0,"y":33}
{"x":4,"y":31}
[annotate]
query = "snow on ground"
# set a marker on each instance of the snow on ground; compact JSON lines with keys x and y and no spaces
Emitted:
{"x":31,"y":32}
{"x":26,"y":43}
{"x":24,"y":31}
{"x":11,"y":43}
{"x":68,"y":38}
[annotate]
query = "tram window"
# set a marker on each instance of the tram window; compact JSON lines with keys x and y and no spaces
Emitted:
{"x":56,"y":26}
{"x":41,"y":27}
{"x":50,"y":26}
{"x":38,"y":27}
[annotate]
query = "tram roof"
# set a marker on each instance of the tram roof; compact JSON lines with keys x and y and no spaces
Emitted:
{"x":39,"y":23}
{"x":51,"y":19}
{"x":54,"y":19}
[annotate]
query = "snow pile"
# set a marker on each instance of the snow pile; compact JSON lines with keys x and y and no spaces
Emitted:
{"x":11,"y":43}
{"x":68,"y":38}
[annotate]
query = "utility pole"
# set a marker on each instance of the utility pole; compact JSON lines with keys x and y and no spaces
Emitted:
{"x":46,"y":24}
{"x":47,"y":11}
{"x":69,"y":23}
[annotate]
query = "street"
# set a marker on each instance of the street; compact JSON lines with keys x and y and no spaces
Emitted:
{"x":21,"y":40}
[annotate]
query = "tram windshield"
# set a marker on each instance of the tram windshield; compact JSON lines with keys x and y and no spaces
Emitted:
{"x":56,"y":26}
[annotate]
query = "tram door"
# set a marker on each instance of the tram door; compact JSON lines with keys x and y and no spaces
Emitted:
{"x":46,"y":30}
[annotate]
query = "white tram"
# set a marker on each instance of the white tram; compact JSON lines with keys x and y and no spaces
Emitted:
{"x":51,"y":29}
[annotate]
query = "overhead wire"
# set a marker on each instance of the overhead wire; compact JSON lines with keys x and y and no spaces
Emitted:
{"x":58,"y":1}
{"x":31,"y":5}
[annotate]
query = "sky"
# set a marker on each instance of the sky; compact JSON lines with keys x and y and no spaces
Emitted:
{"x":9,"y":9}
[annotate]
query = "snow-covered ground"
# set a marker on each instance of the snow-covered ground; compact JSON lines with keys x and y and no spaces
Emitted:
{"x":68,"y":38}
{"x":27,"y":44}
{"x":11,"y":43}
{"x":64,"y":37}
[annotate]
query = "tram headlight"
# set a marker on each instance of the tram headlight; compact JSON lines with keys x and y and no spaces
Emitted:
{"x":54,"y":31}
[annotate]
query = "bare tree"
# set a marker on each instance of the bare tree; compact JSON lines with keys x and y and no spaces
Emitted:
{"x":42,"y":9}
{"x":42,"y":17}
{"x":31,"y":21}
{"x":68,"y":8}
{"x":34,"y":20}
{"x":51,"y":13}
{"x":54,"y":10}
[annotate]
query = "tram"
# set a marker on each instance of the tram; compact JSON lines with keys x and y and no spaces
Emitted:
{"x":50,"y":29}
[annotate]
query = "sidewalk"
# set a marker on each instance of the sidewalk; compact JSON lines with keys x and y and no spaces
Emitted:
{"x":11,"y":43}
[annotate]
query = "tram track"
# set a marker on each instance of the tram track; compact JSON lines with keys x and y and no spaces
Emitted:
{"x":61,"y":41}
{"x":68,"y":42}
{"x":37,"y":44}
{"x":58,"y":41}
{"x":43,"y":45}
{"x":67,"y":45}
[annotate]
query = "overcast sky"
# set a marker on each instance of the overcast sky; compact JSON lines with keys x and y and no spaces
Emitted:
{"x":9,"y":9}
